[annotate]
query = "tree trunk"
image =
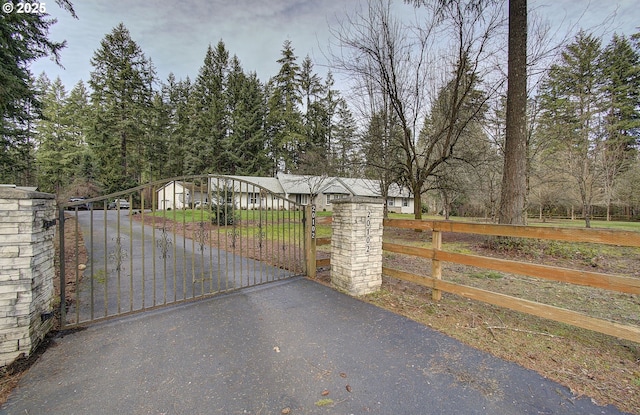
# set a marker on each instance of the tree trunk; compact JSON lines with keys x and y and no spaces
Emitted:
{"x":514,"y":184}
{"x":540,"y":212}
{"x":417,"y":203}
{"x":586,"y":214}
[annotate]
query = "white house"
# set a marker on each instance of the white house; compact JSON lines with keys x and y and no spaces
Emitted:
{"x":325,"y":189}
{"x":249,"y":192}
{"x":179,"y":195}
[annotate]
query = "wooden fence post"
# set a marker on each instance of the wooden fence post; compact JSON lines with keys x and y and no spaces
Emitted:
{"x":436,"y":266}
{"x":310,"y":239}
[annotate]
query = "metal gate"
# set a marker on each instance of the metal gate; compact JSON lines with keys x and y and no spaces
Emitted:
{"x":173,"y":241}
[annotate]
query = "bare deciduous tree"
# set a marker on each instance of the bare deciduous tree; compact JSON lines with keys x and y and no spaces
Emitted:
{"x":411,"y":65}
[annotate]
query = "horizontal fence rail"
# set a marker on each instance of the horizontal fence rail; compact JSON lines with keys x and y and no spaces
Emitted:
{"x":600,"y":236}
{"x":585,"y":278}
{"x":437,"y":256}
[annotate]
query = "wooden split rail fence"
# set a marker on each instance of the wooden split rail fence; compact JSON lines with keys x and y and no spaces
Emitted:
{"x":621,"y":284}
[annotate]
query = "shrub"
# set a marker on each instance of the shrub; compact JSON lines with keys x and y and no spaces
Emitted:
{"x":223,"y":215}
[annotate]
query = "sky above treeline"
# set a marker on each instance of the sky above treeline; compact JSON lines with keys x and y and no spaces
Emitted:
{"x":176,"y":34}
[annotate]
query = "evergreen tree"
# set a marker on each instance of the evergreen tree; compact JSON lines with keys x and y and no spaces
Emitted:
{"x":284,"y":124}
{"x":208,"y":126}
{"x":52,"y":136}
{"x":157,"y":143}
{"x":344,"y":156}
{"x":316,"y":118}
{"x":176,"y":104}
{"x":78,"y":111}
{"x":246,"y":147}
{"x":621,"y":73}
{"x":121,"y":85}
{"x":381,"y":150}
{"x":24,"y":39}
{"x":570,"y":115}
{"x":230,"y":157}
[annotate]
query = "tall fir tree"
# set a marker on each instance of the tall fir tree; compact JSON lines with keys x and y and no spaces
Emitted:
{"x":53,"y":136}
{"x":569,"y":101}
{"x":316,"y":114}
{"x":176,"y":104}
{"x":620,"y":63}
{"x":246,"y":147}
{"x":284,"y":121}
{"x":78,"y":111}
{"x":24,"y":40}
{"x":208,"y":124}
{"x":344,"y":152}
{"x":121,"y":98}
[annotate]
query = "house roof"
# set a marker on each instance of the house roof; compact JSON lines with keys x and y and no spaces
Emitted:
{"x":270,"y":183}
{"x":290,"y":184}
{"x":361,"y":187}
{"x":399,"y":191}
{"x":305,"y":184}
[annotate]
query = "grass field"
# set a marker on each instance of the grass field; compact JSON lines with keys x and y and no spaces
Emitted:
{"x":277,"y":224}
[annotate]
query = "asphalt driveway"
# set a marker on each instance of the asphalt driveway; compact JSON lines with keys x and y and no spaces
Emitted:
{"x":290,"y":347}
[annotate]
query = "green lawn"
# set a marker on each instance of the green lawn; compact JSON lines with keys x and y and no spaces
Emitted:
{"x":560,"y":223}
{"x":278,"y":225}
{"x":595,"y":224}
{"x":272,"y":225}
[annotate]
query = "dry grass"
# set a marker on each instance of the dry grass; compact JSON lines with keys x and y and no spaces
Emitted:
{"x":591,"y":364}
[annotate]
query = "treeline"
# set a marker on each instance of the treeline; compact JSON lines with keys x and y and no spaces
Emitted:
{"x":584,"y":147}
{"x":583,"y":129}
{"x":426,"y":117}
{"x":126,"y":127}
{"x":584,"y":137}
{"x":439,"y":114}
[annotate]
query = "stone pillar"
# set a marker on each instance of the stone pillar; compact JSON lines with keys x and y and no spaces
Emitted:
{"x":356,"y":245}
{"x":27,"y":229}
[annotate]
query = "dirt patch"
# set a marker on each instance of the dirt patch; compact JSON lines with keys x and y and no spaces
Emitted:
{"x":75,"y":260}
{"x":280,"y":252}
{"x":591,"y":364}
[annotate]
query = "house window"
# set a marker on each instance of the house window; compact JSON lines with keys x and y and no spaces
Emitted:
{"x":405,"y":201}
{"x":390,"y":202}
{"x":253,"y":198}
{"x":302,"y":199}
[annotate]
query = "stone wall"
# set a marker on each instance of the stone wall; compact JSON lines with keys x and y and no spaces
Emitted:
{"x":356,"y":245}
{"x":26,"y":270}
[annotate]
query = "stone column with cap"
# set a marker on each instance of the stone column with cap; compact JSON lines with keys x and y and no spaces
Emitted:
{"x":356,"y":245}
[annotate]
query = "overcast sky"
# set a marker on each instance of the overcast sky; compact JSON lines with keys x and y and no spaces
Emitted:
{"x":175,"y":33}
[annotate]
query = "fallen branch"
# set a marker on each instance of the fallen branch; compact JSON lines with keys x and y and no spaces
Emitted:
{"x":491,"y":328}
